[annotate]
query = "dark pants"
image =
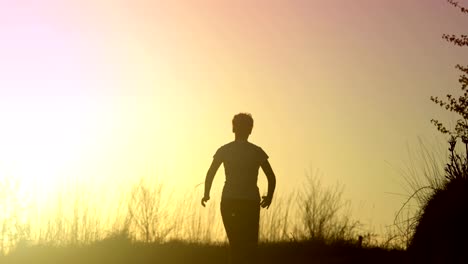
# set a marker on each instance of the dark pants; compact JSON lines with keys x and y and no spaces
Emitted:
{"x":241,"y":221}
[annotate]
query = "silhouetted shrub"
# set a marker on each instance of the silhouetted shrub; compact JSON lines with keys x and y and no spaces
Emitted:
{"x":147,"y":216}
{"x":442,"y":225}
{"x":324,"y":214}
{"x":442,"y":230}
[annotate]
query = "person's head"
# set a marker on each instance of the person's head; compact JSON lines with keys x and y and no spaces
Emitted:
{"x":242,"y":125}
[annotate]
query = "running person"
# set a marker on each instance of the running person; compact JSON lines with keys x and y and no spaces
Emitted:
{"x":240,"y":203}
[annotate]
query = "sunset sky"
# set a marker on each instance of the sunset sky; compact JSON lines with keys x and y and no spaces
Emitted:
{"x":106,"y":92}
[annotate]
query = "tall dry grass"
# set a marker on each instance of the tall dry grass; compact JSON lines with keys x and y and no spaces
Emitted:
{"x":14,"y":226}
{"x":422,"y":175}
{"x":324,"y":214}
{"x":149,"y":213}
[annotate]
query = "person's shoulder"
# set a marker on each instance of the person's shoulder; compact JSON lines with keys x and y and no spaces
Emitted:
{"x":253,"y":145}
{"x":256,"y":147}
{"x":226,"y":146}
{"x":221,"y":152}
{"x":260,"y":153}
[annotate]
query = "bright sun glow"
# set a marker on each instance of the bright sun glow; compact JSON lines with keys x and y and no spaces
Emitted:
{"x":43,"y":138}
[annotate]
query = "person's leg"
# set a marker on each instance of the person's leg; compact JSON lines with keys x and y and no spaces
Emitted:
{"x":229,"y":213}
{"x":241,"y":221}
{"x":250,"y":227}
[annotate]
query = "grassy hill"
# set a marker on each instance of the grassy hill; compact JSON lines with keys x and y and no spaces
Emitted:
{"x":121,"y":250}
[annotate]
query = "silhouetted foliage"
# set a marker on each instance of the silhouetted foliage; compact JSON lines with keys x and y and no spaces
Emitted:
{"x":145,"y":213}
{"x":458,"y":164}
{"x":460,"y":105}
{"x":456,"y":4}
{"x":461,"y":40}
{"x":323,"y":213}
{"x":442,"y":229}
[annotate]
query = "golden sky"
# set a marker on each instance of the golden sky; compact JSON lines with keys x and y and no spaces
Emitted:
{"x":106,"y":92}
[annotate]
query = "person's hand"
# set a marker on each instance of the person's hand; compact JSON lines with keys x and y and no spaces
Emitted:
{"x":204,"y":200}
{"x":266,"y":201}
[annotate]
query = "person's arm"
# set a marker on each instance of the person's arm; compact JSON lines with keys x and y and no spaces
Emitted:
{"x":209,"y":180}
{"x":266,"y":200}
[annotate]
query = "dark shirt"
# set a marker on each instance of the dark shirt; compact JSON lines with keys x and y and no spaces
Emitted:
{"x":242,"y":161}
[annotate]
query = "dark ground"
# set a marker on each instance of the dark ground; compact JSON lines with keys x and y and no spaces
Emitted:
{"x":116,"y":251}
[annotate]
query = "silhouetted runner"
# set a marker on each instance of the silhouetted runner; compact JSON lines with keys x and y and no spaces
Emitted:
{"x":240,"y":203}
